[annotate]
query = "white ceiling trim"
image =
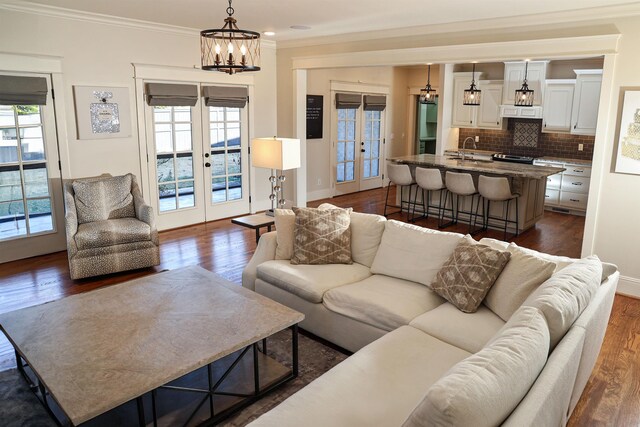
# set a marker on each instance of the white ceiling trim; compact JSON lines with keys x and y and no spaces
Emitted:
{"x":171,"y":73}
{"x":555,"y":48}
{"x":581,"y":15}
{"x":77,"y":15}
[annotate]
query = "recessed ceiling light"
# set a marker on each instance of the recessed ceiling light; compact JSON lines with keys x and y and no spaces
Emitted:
{"x":300,"y":27}
{"x":269,"y":33}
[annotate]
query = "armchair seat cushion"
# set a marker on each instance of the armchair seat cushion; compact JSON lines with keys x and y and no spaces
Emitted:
{"x":111,"y":232}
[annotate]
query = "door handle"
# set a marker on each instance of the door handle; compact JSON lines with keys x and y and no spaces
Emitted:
{"x":207,"y":165}
{"x":206,"y":155}
{"x":362,"y":143}
{"x":362,"y":150}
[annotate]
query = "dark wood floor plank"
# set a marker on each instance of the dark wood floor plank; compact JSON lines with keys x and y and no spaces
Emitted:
{"x":612,"y":395}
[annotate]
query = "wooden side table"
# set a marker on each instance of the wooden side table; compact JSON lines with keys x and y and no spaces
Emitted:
{"x":255,"y":222}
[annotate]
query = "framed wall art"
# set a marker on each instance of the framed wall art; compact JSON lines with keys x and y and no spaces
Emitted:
{"x":102,"y":112}
{"x":628,"y":156}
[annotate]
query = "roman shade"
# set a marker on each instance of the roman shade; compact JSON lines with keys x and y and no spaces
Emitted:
{"x":225,"y":96}
{"x":348,"y":100}
{"x":375,"y":102}
{"x":19,"y":90}
{"x":172,"y":94}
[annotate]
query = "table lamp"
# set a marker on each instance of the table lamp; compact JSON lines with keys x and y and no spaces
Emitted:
{"x":277,"y":154}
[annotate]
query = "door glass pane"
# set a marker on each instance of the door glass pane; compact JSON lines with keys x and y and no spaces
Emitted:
{"x":351,"y":150}
{"x":342,"y":130}
{"x":374,"y":167}
{"x":167,"y":193}
{"x":372,"y":143}
{"x":12,"y":221}
{"x":35,"y":181}
{"x":375,"y":149}
{"x":186,"y":194}
{"x":24,"y":181}
{"x":32,"y":143}
{"x":10,"y":184}
{"x":226,"y":156}
{"x":366,"y":173}
{"x":174,"y":157}
{"x":340,"y":172}
{"x":8,"y":145}
{"x":39,"y":215}
{"x":367,"y":149}
{"x":350,"y":171}
{"x":340,"y":151}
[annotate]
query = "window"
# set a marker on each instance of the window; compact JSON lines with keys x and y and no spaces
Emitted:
{"x":346,"y":145}
{"x":372,"y":141}
{"x":226,"y":154}
{"x":25,"y":196}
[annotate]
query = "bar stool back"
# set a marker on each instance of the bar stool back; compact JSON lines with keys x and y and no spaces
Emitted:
{"x":428,"y":180}
{"x":460,"y":185}
{"x":400,"y":175}
{"x":497,"y":189}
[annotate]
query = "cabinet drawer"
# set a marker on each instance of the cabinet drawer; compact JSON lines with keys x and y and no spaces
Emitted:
{"x":574,"y":170}
{"x":575,"y":184}
{"x":551,"y":197}
{"x":553,"y":181}
{"x":573,"y":200}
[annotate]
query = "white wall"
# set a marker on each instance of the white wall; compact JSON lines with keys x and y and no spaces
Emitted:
{"x":102,"y":54}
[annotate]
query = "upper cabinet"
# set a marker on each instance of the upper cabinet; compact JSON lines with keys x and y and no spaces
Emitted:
{"x":487,"y":114}
{"x":514,"y":75}
{"x":586,"y":100}
{"x":558,"y":105}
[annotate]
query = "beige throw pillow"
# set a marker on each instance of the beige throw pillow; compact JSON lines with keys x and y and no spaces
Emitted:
{"x":321,"y":236}
{"x":468,"y":274}
{"x":521,"y":276}
{"x":285,"y":221}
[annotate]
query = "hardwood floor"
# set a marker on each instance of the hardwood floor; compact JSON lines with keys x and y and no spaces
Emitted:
{"x":611,"y":396}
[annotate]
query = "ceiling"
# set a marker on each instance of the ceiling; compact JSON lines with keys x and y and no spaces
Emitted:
{"x":325,"y":17}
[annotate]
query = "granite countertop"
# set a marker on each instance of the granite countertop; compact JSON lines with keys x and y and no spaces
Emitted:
{"x":580,"y":162}
{"x":472,"y":151}
{"x":496,"y":168}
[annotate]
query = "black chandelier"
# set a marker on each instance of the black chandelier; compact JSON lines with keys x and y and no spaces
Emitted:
{"x":230,"y":49}
{"x":472,"y":95}
{"x":524,"y":95}
{"x":428,"y":94}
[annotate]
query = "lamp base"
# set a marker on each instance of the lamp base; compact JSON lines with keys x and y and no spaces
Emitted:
{"x":270,"y":212}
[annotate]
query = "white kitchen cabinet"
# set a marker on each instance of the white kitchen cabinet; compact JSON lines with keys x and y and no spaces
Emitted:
{"x":586,"y":100}
{"x":567,"y":191}
{"x":487,"y":114}
{"x":534,"y":112}
{"x":489,"y":109}
{"x":558,"y":105}
{"x":514,"y":75}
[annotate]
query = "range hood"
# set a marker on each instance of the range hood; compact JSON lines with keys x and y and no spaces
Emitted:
{"x":511,"y":111}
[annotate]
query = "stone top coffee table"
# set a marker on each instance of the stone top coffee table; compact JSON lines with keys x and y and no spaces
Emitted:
{"x":93,"y":352}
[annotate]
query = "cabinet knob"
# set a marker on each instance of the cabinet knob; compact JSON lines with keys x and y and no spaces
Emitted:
{"x":575,"y":126}
{"x":498,"y":123}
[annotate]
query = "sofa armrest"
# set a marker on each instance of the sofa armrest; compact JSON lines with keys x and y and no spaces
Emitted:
{"x":144,"y":212}
{"x":266,"y":251}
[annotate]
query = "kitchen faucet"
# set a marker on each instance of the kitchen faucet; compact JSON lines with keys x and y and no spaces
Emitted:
{"x":464,"y":145}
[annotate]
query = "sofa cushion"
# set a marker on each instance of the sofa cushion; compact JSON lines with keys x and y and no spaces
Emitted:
{"x":108,"y":198}
{"x":366,"y":234}
{"x":377,"y":386}
{"x":321,"y":236}
{"x":382,"y":301}
{"x":111,"y":232}
{"x":483,"y":389}
{"x":285,"y":222}
{"x":469,"y":331}
{"x":565,"y":295}
{"x":413,"y":253}
{"x":310,"y":282}
{"x":521,"y":276}
{"x":468,"y":274}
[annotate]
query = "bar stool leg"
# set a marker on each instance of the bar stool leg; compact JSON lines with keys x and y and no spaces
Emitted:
{"x":517,"y":218}
{"x":386,"y":200}
{"x":506,"y":220}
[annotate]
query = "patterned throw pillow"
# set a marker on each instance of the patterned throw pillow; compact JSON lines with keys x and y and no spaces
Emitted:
{"x":321,"y":236}
{"x":466,"y":277}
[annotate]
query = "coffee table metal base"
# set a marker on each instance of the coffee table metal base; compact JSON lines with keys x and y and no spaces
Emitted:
{"x":213,"y":389}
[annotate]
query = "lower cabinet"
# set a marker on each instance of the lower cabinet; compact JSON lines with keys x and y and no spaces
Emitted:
{"x":567,"y":191}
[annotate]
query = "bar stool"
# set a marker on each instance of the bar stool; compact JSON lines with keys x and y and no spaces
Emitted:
{"x":460,"y":185}
{"x":497,"y":189}
{"x":400,"y":175}
{"x":428,"y":180}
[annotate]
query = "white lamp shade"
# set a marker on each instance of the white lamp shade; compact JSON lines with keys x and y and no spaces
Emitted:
{"x":275,"y":153}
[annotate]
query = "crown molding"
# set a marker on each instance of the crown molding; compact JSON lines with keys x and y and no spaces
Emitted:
{"x":573,"y":16}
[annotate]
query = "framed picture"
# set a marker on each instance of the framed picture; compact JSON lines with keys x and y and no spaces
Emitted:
{"x":314,"y":116}
{"x":628,"y":157}
{"x":102,"y":112}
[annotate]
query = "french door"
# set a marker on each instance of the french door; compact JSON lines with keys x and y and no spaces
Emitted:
{"x":198,"y":163}
{"x":31,"y":207}
{"x":358,"y":149}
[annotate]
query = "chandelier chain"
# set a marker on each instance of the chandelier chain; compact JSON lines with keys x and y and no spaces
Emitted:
{"x":230,"y":9}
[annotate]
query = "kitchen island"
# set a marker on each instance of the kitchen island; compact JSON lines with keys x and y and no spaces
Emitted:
{"x":529,"y":181}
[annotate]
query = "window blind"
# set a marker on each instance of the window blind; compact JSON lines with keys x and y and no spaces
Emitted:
{"x":375,"y":102}
{"x":225,"y":96}
{"x":348,"y":100}
{"x":19,"y":90}
{"x":172,"y":94}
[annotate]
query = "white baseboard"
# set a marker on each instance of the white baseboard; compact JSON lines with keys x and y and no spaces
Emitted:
{"x":629,"y":286}
{"x":319,"y":194}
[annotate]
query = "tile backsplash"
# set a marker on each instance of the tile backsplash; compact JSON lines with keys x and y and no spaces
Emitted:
{"x":518,"y":139}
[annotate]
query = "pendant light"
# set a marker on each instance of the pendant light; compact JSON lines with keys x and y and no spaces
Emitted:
{"x":230,"y":49}
{"x":428,"y":94}
{"x":524,"y":95}
{"x":472,"y":95}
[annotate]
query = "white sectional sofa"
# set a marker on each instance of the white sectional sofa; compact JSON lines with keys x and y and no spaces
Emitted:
{"x":419,"y":360}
